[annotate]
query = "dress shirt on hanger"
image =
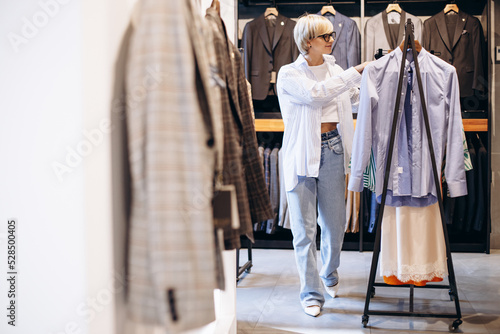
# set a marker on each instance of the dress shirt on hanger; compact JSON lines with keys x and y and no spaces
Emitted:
{"x":410,"y":181}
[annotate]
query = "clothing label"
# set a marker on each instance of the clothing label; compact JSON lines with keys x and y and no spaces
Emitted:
{"x":273,"y":77}
{"x":400,"y":170}
{"x":225,"y":207}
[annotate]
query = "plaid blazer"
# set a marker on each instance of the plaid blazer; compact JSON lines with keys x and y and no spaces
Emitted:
{"x":171,"y":140}
{"x":258,"y":197}
{"x":232,"y":170}
{"x":241,"y":165}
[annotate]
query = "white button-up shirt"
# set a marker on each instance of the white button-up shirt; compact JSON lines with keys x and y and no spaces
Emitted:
{"x":302,"y":99}
{"x":411,"y":180}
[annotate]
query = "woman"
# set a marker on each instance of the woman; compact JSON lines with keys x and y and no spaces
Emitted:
{"x":316,"y":97}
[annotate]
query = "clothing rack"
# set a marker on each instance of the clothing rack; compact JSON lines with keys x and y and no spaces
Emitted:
{"x":409,"y":43}
{"x":247,"y":266}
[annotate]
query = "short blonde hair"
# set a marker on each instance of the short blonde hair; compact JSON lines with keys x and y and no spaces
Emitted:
{"x":310,"y":26}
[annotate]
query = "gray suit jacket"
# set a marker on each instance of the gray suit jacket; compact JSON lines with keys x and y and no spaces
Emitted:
{"x":466,"y":51}
{"x":347,"y":45}
{"x":377,"y":33}
{"x":172,"y":157}
{"x":262,"y":58}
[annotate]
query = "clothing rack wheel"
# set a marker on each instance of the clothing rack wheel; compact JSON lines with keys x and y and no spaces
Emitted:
{"x":452,"y":286}
{"x":454,"y":326}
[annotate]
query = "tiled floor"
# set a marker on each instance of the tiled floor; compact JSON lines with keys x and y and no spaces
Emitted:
{"x":267,"y":298}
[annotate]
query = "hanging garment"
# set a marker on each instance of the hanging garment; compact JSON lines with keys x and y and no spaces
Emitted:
{"x":460,"y":211}
{"x":410,"y":180}
{"x":472,"y":182}
{"x":352,"y":203}
{"x":232,"y":172}
{"x":263,"y":56}
{"x":481,"y":194}
{"x":241,"y":156}
{"x":346,"y":47}
{"x":412,"y":244}
{"x":283,"y":215}
{"x":172,"y":163}
{"x":378,"y":32}
{"x":460,"y":41}
{"x":374,"y":209}
{"x":274,"y":191}
{"x":413,"y":250}
{"x":267,"y":167}
{"x":260,"y":208}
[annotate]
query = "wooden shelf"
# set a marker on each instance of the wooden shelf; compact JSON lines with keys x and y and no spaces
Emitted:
{"x":475,"y":125}
{"x":276,"y":125}
{"x":269,"y":125}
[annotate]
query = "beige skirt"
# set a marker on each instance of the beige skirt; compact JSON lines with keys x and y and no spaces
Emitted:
{"x":413,"y":249}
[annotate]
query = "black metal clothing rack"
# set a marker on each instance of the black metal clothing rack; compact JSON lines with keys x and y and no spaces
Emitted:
{"x":409,"y":43}
{"x":247,"y":266}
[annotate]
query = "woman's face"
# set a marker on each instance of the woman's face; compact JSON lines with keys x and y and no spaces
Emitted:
{"x":321,"y":45}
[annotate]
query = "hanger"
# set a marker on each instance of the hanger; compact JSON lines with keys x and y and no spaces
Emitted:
{"x":418,"y":47}
{"x":271,"y":11}
{"x":393,"y":7}
{"x":328,"y":9}
{"x":451,"y":7}
{"x":216,"y":5}
{"x":380,"y":53}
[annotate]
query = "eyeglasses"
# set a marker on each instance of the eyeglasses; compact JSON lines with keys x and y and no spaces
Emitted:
{"x":326,"y":37}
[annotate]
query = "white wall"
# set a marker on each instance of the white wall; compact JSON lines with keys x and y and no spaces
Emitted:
{"x":57,"y":65}
{"x":61,"y":168}
{"x":41,"y":122}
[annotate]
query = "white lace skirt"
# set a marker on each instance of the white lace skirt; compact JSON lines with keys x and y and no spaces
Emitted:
{"x":413,"y":249}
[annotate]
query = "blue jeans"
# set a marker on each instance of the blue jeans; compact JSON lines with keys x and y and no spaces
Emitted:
{"x":319,"y":200}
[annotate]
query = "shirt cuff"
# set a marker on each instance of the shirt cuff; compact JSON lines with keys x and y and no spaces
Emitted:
{"x":457,"y":189}
{"x":351,"y":77}
{"x":355,"y":184}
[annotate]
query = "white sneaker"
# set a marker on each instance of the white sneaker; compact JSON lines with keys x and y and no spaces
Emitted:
{"x":313,"y":310}
{"x":332,"y":290}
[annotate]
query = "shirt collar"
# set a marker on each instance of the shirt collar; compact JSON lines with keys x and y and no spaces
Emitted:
{"x":422,"y":55}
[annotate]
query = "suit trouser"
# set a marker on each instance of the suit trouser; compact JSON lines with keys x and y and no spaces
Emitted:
{"x":319,"y":200}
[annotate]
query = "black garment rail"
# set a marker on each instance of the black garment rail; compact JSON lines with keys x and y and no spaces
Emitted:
{"x":409,"y":43}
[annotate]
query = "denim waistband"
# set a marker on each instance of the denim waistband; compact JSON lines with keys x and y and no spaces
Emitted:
{"x":329,"y":134}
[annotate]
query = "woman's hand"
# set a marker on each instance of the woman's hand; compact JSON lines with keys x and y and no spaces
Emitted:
{"x":362,"y":66}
